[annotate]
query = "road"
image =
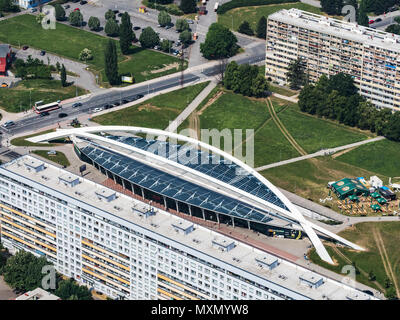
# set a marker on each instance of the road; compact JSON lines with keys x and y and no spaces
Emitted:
{"x":99,"y":99}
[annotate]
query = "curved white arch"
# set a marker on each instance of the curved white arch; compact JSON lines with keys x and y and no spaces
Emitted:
{"x":293,"y":212}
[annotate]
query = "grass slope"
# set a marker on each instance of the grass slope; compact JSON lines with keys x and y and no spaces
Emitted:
{"x":59,"y":157}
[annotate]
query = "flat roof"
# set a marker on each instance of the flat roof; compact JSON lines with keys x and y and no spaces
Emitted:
{"x":338,"y":28}
{"x":242,"y":255}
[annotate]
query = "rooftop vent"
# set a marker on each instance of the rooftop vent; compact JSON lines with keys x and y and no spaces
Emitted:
{"x":312,"y":280}
{"x":268,"y":262}
{"x":183,"y":227}
{"x":34,"y":165}
{"x":144,"y":213}
{"x":69,"y":180}
{"x":106,"y":194}
{"x":45,"y":178}
{"x":196,"y":241}
{"x":223,"y":245}
{"x":236,"y":260}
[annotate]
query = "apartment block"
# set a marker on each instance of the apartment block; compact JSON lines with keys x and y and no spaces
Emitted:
{"x":128,"y":249}
{"x":329,"y":46}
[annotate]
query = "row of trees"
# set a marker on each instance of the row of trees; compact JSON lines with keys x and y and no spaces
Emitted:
{"x":23,"y":272}
{"x":334,"y":7}
{"x":337,"y":98}
{"x":8,"y":6}
{"x":245,"y":79}
{"x":260,"y":31}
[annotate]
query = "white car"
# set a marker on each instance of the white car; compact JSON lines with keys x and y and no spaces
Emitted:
{"x":97,"y":109}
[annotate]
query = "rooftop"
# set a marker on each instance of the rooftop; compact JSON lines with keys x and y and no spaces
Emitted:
{"x":339,"y":28}
{"x":37,"y":294}
{"x":243,"y":256}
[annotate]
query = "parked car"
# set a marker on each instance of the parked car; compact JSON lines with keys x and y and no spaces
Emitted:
{"x":83,"y":2}
{"x":393,"y":9}
{"x":52,"y":152}
{"x":115,"y":11}
{"x":378,"y":20}
{"x":62,"y":115}
{"x":107,"y":106}
{"x":189,"y":21}
{"x":139,"y":96}
{"x":67,"y":6}
{"x":125,"y":101}
{"x":25,"y":47}
{"x":76,"y":104}
{"x":116,"y":104}
{"x":168,"y":27}
{"x":43,"y":114}
{"x":371,"y":21}
{"x":42,"y":53}
{"x":97,"y":109}
{"x":77,"y":9}
{"x":136,"y":28}
{"x":8,"y":124}
{"x":120,"y":14}
{"x":4,"y":85}
{"x":33,"y":10}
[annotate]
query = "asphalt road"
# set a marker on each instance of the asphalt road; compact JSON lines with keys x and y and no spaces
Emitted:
{"x":36,"y":122}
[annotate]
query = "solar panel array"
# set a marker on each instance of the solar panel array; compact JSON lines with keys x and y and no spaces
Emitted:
{"x":206,"y":163}
{"x":171,"y":186}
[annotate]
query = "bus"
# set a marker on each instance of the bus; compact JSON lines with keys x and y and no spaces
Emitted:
{"x":216,"y":7}
{"x":39,"y":107}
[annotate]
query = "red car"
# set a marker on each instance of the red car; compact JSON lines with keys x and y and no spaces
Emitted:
{"x":371,"y":21}
{"x":77,"y":9}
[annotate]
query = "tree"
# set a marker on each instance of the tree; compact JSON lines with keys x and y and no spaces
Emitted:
{"x":126,"y":35}
{"x":70,"y":290}
{"x":149,"y":38}
{"x":85,"y":55}
{"x":111,"y":63}
{"x":362,"y":18}
{"x":111,"y":29}
{"x":261,"y":30}
{"x":63,"y":76}
{"x":94,"y":23}
{"x":75,"y":18}
{"x":393,"y":28}
{"x":164,"y":19}
{"x":343,"y":83}
{"x":109,"y":15}
{"x":259,"y":87}
{"x":186,"y":37}
{"x":60,"y":12}
{"x":40,"y":17}
{"x":296,"y":74}
{"x":245,"y":28}
{"x":388,"y":283}
{"x":181,"y":24}
{"x":166,"y":45}
{"x":24,"y":271}
{"x":230,"y":76}
{"x":220,"y":43}
{"x":332,"y":7}
{"x":188,"y":6}
{"x":8,"y":6}
{"x":371,"y":276}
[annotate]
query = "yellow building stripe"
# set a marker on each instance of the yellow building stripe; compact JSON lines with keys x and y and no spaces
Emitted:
{"x":27,"y":243}
{"x":178,"y":291}
{"x":182,"y":285}
{"x":107,"y":259}
{"x":101,"y":249}
{"x":104,"y":265}
{"x":104,"y":278}
{"x":29,"y":218}
{"x":31,"y":238}
{"x":27,"y":230}
{"x":168,"y":294}
{"x":107,"y":273}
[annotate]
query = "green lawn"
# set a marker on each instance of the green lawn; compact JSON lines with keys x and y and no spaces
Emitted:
{"x":156,"y":112}
{"x":19,"y":98}
{"x":21,"y":142}
{"x":369,"y":260}
{"x":59,"y":157}
{"x":253,"y":14}
{"x":381,"y":157}
{"x":70,"y":41}
{"x":314,"y":134}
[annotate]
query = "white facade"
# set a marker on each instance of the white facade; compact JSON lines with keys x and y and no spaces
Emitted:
{"x":375,"y":182}
{"x":113,"y":248}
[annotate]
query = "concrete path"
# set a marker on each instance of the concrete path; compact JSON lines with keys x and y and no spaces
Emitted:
{"x":173,"y":126}
{"x":314,"y":3}
{"x":323,"y":152}
{"x":6,"y":292}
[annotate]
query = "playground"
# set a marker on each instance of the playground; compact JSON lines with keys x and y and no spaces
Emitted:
{"x":358,"y":197}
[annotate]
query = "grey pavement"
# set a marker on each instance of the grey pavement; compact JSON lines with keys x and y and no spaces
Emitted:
{"x":323,"y":152}
{"x":6,"y":292}
{"x":173,"y":126}
{"x":85,"y":80}
{"x":314,"y":3}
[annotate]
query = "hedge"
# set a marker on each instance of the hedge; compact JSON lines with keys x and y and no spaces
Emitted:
{"x":171,"y":9}
{"x":247,"y":3}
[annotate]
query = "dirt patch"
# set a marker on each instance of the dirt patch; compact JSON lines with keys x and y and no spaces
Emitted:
{"x":174,"y":65}
{"x":210,"y":102}
{"x":148,"y":107}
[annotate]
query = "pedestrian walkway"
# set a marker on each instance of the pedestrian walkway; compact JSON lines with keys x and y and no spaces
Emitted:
{"x":173,"y":126}
{"x":323,"y":152}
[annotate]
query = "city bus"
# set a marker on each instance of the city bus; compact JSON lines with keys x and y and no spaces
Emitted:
{"x":39,"y":107}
